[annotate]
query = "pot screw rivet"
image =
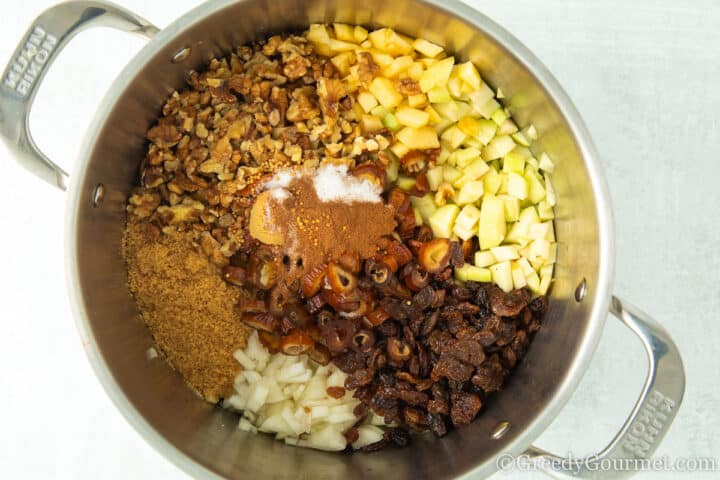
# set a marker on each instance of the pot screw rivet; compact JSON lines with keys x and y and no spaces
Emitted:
{"x":500,"y":430}
{"x":181,"y":55}
{"x":98,"y":195}
{"x":581,"y":291}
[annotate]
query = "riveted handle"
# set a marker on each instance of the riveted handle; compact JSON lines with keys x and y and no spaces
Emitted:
{"x":649,"y":420}
{"x":45,"y":38}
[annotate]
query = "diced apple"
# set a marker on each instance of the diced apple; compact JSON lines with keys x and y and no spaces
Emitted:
{"x":465,"y":156}
{"x":508,"y":127}
{"x":392,"y":169}
{"x":472,"y":273}
{"x":484,"y":258}
{"x":498,"y":147}
{"x":469,"y":74}
{"x":545,"y":279}
{"x":491,"y":181}
{"x":451,"y":174}
{"x":405,"y":183}
{"x":539,"y":231}
{"x":417,"y":101}
{"x":426,"y":48}
{"x":360,"y":34}
{"x":387,"y":40}
{"x":453,"y":137}
{"x":469,"y":193}
{"x":415,"y":71}
{"x":521,"y":139}
{"x":533,"y":282}
{"x":553,"y":254}
{"x":367,"y":101}
{"x":425,"y":205}
{"x":455,"y":87}
{"x":442,"y":221}
{"x":545,"y":211}
{"x":435,"y":177}
{"x":505,"y":252}
{"x":399,"y":148}
{"x":317,"y":33}
{"x":517,"y":186}
{"x":502,"y":275}
{"x":371,"y":123}
{"x":539,"y":250}
{"x":343,"y":61}
{"x":466,"y":222}
{"x":448,"y":110}
{"x":419,"y":138}
{"x":499,"y":116}
{"x":491,"y":231}
{"x":412,"y":117}
{"x":479,"y":99}
{"x":398,"y":66}
{"x":437,"y":74}
{"x":518,"y":276}
{"x":439,"y":94}
{"x":514,"y":162}
{"x":385,"y":92}
{"x":550,"y":194}
{"x":338,"y":46}
{"x":512,"y":208}
{"x":391,"y":122}
{"x":520,"y":230}
{"x":545,"y":163}
{"x":487,"y":109}
{"x":344,"y":32}
{"x":536,"y":189}
{"x":434,"y":116}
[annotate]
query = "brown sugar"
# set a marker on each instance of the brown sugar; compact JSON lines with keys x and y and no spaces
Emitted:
{"x":318,"y":232}
{"x":187,"y":307}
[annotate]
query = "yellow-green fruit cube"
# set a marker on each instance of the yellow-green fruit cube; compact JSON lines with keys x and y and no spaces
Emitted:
{"x":426,"y":48}
{"x":469,"y":193}
{"x":442,"y":221}
{"x":412,"y":117}
{"x":466,"y":222}
{"x":517,"y":186}
{"x":484,"y":258}
{"x":491,"y":231}
{"x":344,"y":32}
{"x":435,"y":177}
{"x":439,"y":94}
{"x":512,"y":208}
{"x":491,"y":181}
{"x":514,"y":162}
{"x":437,"y":74}
{"x":505,"y":252}
{"x":472,"y":273}
{"x":498,"y":147}
{"x":502,"y":275}
{"x":419,"y":138}
{"x":385,"y":92}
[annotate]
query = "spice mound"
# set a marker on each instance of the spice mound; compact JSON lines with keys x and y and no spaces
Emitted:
{"x":312,"y":230}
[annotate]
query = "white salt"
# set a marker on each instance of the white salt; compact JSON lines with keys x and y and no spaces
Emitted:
{"x":332,"y":183}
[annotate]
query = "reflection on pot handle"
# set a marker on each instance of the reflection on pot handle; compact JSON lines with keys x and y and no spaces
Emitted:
{"x":651,"y":417}
{"x":48,"y":34}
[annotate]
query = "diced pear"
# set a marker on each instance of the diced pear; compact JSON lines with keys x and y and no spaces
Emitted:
{"x":419,"y":138}
{"x":442,"y":221}
{"x":539,"y":250}
{"x":545,"y":279}
{"x":550,"y":194}
{"x":484,"y":258}
{"x":437,"y":74}
{"x":360,"y":34}
{"x":469,"y":193}
{"x":382,"y":59}
{"x":425,"y":205}
{"x":338,"y":46}
{"x":434,"y":116}
{"x":476,"y":169}
{"x":390,"y":121}
{"x":435,"y":177}
{"x":398,"y":66}
{"x":491,"y":231}
{"x":344,"y":32}
{"x":498,"y":147}
{"x":405,"y":183}
{"x":417,"y":101}
{"x":553,"y":254}
{"x":448,"y":110}
{"x":545,"y":211}
{"x":499,"y":116}
{"x":367,"y":101}
{"x":472,"y":273}
{"x":469,"y":74}
{"x":453,"y":137}
{"x":412,"y":117}
{"x":512,"y":208}
{"x":545,"y":163}
{"x":385,"y":92}
{"x":502,"y":275}
{"x":370,"y":123}
{"x":387,"y":40}
{"x":505,"y":252}
{"x":517,"y":186}
{"x":451,"y":174}
{"x":539,"y":231}
{"x":426,"y":48}
{"x":518,"y":276}
{"x":536,"y":189}
{"x":455,"y":86}
{"x":466,"y":222}
{"x":491,"y":181}
{"x":520,"y":231}
{"x":380,"y":111}
{"x":514,"y":162}
{"x":524,"y":265}
{"x":465,"y":156}
{"x":533,"y":282}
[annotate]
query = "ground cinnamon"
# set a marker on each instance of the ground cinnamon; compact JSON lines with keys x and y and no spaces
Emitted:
{"x":316,"y":232}
{"x":187,"y":307}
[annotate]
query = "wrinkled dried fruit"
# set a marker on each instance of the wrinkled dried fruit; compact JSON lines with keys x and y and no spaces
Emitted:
{"x":434,"y":256}
{"x":260,"y":321}
{"x":296,"y":343}
{"x":312,"y":281}
{"x":339,"y":279}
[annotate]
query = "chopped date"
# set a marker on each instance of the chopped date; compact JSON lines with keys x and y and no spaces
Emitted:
{"x":412,"y":397}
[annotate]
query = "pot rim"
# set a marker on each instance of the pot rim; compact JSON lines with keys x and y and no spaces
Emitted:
{"x":543,"y":77}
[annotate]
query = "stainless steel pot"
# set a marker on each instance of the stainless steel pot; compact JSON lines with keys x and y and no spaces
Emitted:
{"x":203,"y":439}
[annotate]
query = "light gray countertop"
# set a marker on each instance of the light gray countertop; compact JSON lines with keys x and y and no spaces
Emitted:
{"x":645,"y":75}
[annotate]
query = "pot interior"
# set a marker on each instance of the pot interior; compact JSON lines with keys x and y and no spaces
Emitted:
{"x":156,"y":400}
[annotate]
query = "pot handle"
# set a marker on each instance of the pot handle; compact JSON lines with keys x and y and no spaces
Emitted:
{"x":45,"y":38}
{"x":651,"y":417}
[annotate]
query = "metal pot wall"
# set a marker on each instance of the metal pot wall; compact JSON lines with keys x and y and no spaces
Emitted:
{"x":204,"y":439}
